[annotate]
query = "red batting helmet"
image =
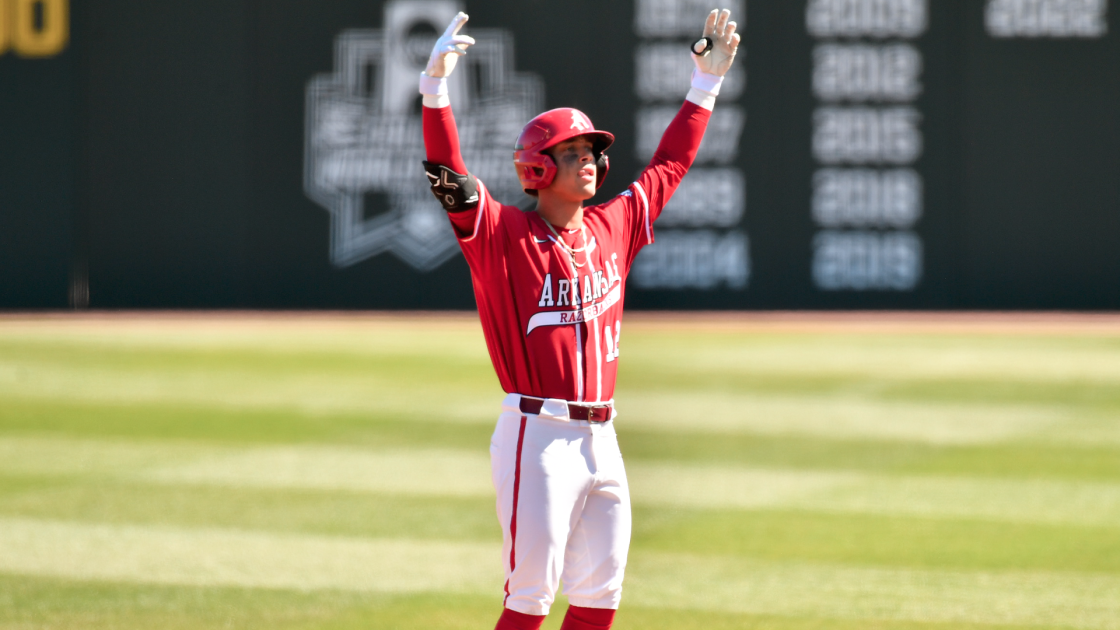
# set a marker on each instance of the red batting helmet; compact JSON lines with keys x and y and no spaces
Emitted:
{"x":535,"y":168}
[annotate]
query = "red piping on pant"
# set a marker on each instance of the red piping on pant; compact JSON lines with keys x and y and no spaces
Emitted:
{"x":513,"y":518}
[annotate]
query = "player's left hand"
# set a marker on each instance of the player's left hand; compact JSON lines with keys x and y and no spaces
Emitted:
{"x":725,"y":41}
{"x":449,"y":47}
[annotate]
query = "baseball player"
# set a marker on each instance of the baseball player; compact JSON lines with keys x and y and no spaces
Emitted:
{"x":549,"y":284}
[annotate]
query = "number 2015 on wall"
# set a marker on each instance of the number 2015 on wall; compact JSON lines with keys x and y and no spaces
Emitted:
{"x":34,"y":28}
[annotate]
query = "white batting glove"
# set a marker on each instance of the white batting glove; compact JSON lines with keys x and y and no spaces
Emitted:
{"x":449,"y":47}
{"x":716,"y":60}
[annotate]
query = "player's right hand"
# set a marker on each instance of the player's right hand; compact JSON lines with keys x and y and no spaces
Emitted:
{"x":725,"y":41}
{"x":448,"y":48}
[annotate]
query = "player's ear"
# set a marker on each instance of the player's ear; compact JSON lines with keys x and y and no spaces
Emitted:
{"x":548,"y":160}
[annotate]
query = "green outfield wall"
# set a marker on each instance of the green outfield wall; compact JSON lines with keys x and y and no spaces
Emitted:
{"x":894,"y":154}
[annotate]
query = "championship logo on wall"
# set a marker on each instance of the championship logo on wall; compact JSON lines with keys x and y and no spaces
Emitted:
{"x":364,"y":140}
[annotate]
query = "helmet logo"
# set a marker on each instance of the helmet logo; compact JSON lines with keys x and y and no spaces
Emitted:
{"x":579,"y":121}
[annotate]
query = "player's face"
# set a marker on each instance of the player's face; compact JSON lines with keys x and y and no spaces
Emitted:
{"x":575,"y":169}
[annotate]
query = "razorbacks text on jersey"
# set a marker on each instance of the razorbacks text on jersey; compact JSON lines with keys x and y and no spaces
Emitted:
{"x":550,"y":300}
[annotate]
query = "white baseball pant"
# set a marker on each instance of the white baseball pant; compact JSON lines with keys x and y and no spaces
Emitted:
{"x":564,"y":506}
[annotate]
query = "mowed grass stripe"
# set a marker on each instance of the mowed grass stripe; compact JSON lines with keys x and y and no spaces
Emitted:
{"x":737,"y":348}
{"x":369,"y":388}
{"x":775,"y":534}
{"x":313,"y":512}
{"x":1035,"y":460}
{"x":451,"y":473}
{"x":262,"y":560}
{"x":984,"y":357}
{"x":235,"y":427}
{"x":64,"y":456}
{"x":461,"y":473}
{"x":1067,"y":600}
{"x":872,"y":539}
{"x":235,"y":381}
{"x":443,"y":334}
{"x":1038,"y":501}
{"x":430,"y":472}
{"x":214,"y":557}
{"x":238,"y":428}
{"x":813,"y":384}
{"x":849,"y":417}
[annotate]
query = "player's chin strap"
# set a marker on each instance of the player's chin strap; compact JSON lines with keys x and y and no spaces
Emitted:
{"x":455,"y":192}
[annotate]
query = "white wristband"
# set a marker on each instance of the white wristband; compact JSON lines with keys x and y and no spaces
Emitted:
{"x":436,"y":102}
{"x":430,"y":86}
{"x":706,"y":82}
{"x":700,"y":97}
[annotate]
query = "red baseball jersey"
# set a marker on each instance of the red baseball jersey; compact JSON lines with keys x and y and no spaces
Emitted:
{"x":551,"y":314}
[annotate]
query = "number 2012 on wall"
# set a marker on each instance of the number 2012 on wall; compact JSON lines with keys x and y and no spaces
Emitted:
{"x":34,"y":28}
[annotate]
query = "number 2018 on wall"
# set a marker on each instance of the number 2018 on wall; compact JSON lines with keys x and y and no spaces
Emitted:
{"x":34,"y":28}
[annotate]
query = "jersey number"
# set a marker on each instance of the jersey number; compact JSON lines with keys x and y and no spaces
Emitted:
{"x":612,"y":341}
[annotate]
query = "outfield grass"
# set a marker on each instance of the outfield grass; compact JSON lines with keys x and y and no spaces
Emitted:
{"x":331,"y":472}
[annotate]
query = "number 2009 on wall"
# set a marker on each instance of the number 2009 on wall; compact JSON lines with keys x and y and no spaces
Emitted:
{"x":34,"y":28}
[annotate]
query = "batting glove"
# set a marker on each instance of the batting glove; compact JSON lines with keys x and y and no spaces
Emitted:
{"x":449,"y":47}
{"x":714,"y":52}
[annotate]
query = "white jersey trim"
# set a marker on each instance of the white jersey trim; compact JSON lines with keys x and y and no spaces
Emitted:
{"x":579,"y":365}
{"x":645,"y":207}
{"x":478,"y":215}
{"x":595,"y":325}
{"x":578,"y":316}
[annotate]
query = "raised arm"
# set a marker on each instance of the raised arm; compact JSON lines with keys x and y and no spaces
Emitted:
{"x":713,"y":54}
{"x":447,"y":173}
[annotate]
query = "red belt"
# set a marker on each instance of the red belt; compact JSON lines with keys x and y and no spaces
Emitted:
{"x":590,"y":413}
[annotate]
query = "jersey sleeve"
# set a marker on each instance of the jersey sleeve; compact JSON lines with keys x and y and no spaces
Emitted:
{"x":655,"y":186}
{"x":475,"y":227}
{"x":441,"y":143}
{"x":441,"y":139}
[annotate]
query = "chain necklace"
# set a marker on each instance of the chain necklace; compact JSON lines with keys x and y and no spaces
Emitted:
{"x":571,"y":250}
